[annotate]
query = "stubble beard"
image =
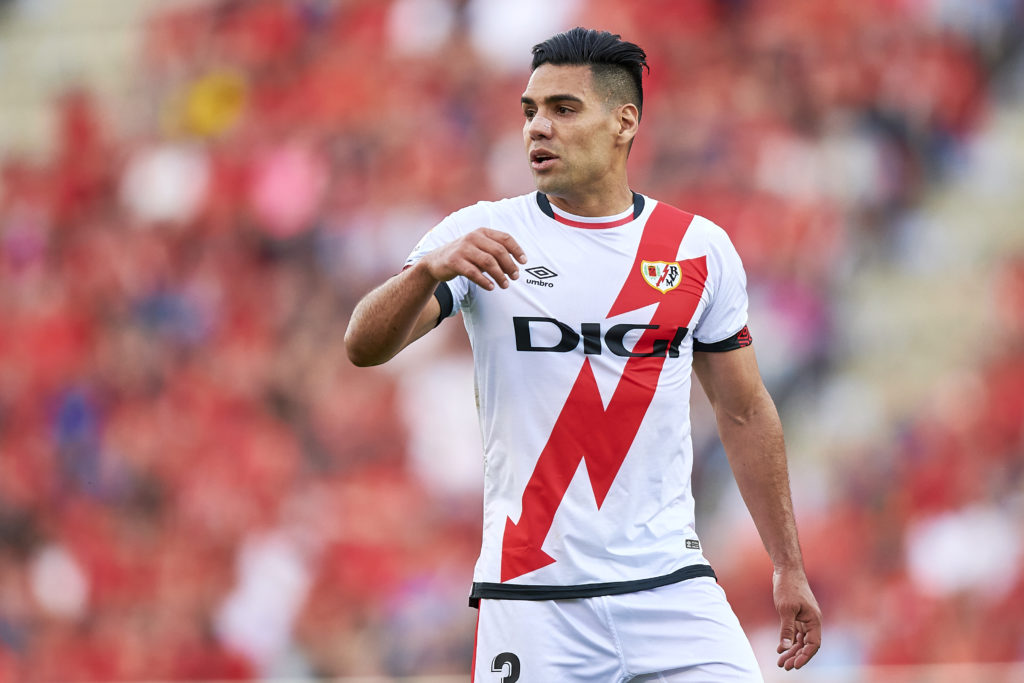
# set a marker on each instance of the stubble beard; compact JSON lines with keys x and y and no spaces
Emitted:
{"x":549,"y":184}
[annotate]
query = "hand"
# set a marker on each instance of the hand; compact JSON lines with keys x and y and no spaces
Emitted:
{"x":800,"y":617}
{"x":477,"y":255}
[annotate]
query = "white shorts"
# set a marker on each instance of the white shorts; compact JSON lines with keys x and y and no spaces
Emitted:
{"x":685,"y":631}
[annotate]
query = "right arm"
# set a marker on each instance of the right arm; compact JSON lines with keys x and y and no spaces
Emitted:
{"x":392,"y":316}
{"x":403,"y":309}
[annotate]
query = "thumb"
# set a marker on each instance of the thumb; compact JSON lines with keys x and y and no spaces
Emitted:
{"x":787,"y":634}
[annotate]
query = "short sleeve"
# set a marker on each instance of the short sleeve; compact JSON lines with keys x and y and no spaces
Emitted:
{"x":451,"y":294}
{"x":726,"y":313}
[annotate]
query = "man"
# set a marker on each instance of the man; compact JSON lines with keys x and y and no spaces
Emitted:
{"x":591,"y":569}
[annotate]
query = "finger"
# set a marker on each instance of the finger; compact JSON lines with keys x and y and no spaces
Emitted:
{"x":513,"y":248}
{"x":806,"y":646}
{"x":804,"y":656}
{"x":508,"y":242}
{"x":787,"y":634}
{"x":811,"y":645}
{"x":469,"y":270}
{"x":798,"y":660}
{"x":489,"y":264}
{"x":787,"y":656}
{"x":479,"y":278}
{"x":499,"y":251}
{"x":504,"y":258}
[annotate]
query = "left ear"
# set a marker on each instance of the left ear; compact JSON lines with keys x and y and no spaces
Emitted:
{"x":628,"y":120}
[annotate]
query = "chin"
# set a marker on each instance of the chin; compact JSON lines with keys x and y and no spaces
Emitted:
{"x":547,"y":185}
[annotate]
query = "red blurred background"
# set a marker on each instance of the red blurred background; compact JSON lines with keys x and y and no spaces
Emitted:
{"x":194,"y":482}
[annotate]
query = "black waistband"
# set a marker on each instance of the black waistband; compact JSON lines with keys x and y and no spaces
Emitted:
{"x":505,"y":591}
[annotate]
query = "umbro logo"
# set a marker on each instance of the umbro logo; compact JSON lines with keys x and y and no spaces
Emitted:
{"x":540,"y":276}
{"x":542,"y":272}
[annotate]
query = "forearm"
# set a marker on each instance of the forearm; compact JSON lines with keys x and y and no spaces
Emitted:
{"x":387,"y":318}
{"x":752,"y":435}
{"x":756,"y":450}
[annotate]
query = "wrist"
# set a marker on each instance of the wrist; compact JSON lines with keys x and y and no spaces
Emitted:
{"x":791,"y":567}
{"x":422,"y":273}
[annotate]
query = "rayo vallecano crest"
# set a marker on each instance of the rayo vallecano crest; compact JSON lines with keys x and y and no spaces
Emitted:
{"x":661,"y":275}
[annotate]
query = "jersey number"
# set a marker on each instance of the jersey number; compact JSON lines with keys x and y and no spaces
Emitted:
{"x":513,"y":667}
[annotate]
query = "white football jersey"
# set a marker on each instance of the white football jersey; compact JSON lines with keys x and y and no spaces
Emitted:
{"x":583,"y":381}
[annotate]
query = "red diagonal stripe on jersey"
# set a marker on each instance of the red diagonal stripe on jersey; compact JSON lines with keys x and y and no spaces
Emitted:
{"x":585,"y":429}
{"x":619,"y":424}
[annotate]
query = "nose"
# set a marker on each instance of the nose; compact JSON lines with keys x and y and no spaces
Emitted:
{"x":539,"y":127}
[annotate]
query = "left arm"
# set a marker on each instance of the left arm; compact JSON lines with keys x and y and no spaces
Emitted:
{"x":751,"y":432}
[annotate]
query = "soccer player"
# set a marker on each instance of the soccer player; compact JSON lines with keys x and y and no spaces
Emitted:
{"x":587,"y":304}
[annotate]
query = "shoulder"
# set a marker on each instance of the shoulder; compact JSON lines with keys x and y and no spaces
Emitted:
{"x":702,"y":234}
{"x":713,"y":238}
{"x":501,"y":207}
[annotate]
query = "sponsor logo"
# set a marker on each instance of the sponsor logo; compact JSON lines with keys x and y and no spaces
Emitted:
{"x":540,"y":276}
{"x":593,"y":337}
{"x":541,"y":272}
{"x":692,"y":544}
{"x":662,"y":275}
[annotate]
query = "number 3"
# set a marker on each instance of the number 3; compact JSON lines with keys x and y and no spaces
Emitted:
{"x":513,"y":666}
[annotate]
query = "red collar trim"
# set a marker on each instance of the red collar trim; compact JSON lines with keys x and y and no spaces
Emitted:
{"x":545,"y":206}
{"x":591,"y":226}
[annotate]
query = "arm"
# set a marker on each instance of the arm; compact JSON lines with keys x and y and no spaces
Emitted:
{"x":751,"y":432}
{"x":404,"y":309}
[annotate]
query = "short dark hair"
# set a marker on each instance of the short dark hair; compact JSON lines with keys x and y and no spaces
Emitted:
{"x":617,"y":65}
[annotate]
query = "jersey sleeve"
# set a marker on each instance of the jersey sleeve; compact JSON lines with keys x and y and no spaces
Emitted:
{"x":723,"y":325}
{"x":451,"y":294}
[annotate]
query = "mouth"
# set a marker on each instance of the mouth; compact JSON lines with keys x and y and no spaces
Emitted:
{"x":541,"y":159}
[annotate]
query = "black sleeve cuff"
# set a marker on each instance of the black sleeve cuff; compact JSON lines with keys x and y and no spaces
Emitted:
{"x":444,"y":297}
{"x":736,"y":341}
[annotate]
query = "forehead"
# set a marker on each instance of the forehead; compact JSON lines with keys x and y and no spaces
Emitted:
{"x":549,"y":80}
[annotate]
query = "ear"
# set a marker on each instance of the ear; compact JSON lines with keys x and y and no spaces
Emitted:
{"x":629,"y":122}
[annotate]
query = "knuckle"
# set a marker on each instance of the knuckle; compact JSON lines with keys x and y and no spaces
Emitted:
{"x":788,"y":607}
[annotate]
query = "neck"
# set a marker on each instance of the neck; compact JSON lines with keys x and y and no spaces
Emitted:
{"x":595,"y":205}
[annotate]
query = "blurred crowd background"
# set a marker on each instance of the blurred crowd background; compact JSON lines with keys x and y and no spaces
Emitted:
{"x":196,"y":484}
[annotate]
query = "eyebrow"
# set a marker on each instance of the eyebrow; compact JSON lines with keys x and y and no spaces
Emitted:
{"x":553,"y":98}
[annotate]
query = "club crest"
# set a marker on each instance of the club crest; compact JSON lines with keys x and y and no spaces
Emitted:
{"x":661,"y":275}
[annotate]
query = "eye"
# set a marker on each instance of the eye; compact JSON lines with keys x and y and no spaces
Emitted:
{"x":529,"y":114}
{"x":564,"y":110}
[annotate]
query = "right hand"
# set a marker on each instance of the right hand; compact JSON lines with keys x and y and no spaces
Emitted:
{"x":484,"y":256}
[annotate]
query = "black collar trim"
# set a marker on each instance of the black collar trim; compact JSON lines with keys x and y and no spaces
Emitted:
{"x":545,"y":205}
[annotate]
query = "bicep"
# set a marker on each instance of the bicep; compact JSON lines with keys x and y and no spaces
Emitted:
{"x":730,"y":379}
